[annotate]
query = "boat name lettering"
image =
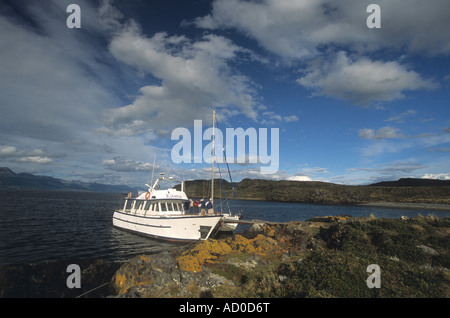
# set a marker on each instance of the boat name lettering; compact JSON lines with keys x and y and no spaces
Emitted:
{"x":170,"y":195}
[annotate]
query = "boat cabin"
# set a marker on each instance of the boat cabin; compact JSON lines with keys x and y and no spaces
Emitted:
{"x":145,"y":207}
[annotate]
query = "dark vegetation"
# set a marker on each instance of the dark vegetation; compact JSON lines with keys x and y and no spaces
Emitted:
{"x":403,"y":190}
{"x":414,"y":257}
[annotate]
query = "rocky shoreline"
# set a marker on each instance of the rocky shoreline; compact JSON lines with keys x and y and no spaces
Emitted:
{"x":321,"y":257}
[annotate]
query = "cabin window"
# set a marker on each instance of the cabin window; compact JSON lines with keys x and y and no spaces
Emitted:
{"x":176,"y":207}
{"x":156,"y":207}
{"x":163,"y":207}
{"x":129,"y":204}
{"x":139,"y":204}
{"x":147,"y":205}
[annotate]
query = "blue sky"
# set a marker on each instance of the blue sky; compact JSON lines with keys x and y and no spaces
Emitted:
{"x":353,"y":105}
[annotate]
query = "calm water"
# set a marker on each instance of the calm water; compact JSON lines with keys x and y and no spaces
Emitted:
{"x":40,"y":226}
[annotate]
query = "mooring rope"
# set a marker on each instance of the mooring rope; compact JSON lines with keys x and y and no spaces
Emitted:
{"x":92,"y":290}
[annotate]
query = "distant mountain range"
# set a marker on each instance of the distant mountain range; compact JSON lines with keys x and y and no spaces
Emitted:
{"x":9,"y":180}
{"x":406,"y":190}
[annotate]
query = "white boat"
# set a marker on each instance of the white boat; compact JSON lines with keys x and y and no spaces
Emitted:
{"x":164,"y":214}
{"x":227,"y":224}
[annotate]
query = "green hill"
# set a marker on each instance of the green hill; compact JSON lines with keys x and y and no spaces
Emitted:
{"x":403,"y":190}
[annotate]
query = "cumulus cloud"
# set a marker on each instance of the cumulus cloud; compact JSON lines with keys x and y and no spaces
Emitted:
{"x":119,"y":164}
{"x":276,"y":25}
{"x":442,"y":176}
{"x":298,"y":29}
{"x":193,"y":76}
{"x":9,"y":151}
{"x":35,"y":156}
{"x":299,"y":178}
{"x":313,"y":31}
{"x":361,"y":80}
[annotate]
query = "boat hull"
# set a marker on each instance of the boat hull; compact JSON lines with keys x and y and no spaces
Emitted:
{"x":181,"y":228}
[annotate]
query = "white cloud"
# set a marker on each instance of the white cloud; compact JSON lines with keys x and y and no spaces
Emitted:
{"x":443,"y":176}
{"x":389,"y":140}
{"x":277,"y":25}
{"x":290,"y":119}
{"x":382,"y":133}
{"x":313,"y":31}
{"x":9,"y":151}
{"x":271,"y":118}
{"x":299,"y":178}
{"x":401,"y":118}
{"x":194,"y":77}
{"x":362,"y":81}
{"x":49,"y":87}
{"x":386,"y":171}
{"x":119,"y":164}
{"x":297,"y":29}
{"x":35,"y":159}
{"x":36,"y":156}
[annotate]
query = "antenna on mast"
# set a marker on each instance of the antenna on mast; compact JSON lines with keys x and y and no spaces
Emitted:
{"x":153,"y":169}
{"x":212,"y":158}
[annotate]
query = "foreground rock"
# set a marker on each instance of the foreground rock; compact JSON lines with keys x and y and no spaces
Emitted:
{"x":195,"y":271}
{"x":159,"y":276}
{"x":327,"y":257}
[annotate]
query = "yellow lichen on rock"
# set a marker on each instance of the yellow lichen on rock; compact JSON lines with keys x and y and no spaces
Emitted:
{"x":123,"y":284}
{"x":145,"y":258}
{"x":264,"y":244}
{"x":211,"y":250}
{"x":238,"y":243}
{"x":119,"y":280}
{"x":189,"y":263}
{"x":268,"y":230}
{"x":205,"y":251}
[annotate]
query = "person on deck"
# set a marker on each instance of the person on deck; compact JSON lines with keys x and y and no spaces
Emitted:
{"x":202,"y":206}
{"x":209,"y":207}
{"x":195,"y":207}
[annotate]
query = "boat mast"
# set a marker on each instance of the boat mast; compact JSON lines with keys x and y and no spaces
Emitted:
{"x":212,"y":161}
